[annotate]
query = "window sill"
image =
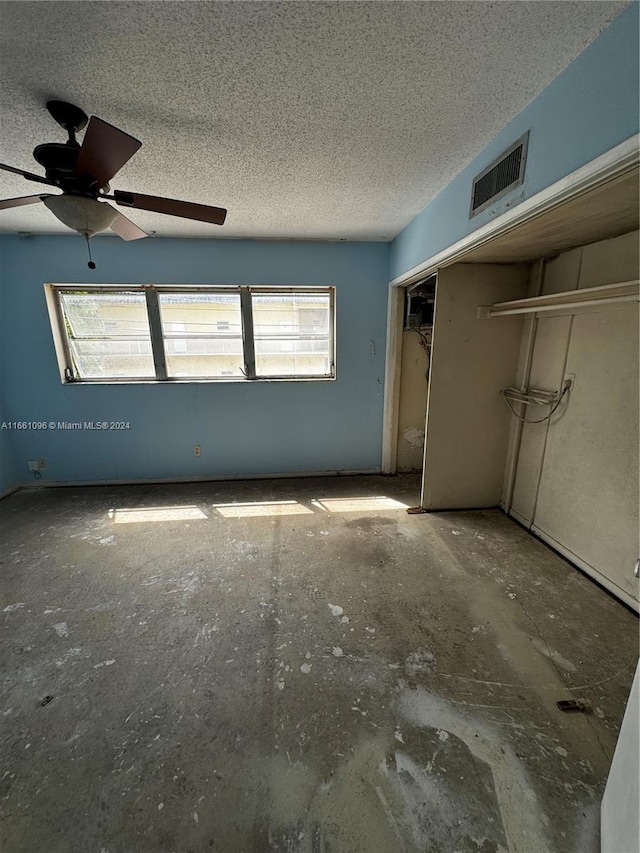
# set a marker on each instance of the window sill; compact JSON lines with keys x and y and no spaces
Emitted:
{"x":227,"y":381}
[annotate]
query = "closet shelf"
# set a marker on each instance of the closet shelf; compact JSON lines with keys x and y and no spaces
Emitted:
{"x":606,"y":294}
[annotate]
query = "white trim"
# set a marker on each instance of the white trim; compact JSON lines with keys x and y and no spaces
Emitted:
{"x":392,"y":372}
{"x":606,"y":167}
{"x":178,"y":287}
{"x":56,"y":322}
{"x":613,"y":588}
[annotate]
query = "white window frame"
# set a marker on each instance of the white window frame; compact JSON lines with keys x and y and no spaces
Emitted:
{"x":68,"y":372}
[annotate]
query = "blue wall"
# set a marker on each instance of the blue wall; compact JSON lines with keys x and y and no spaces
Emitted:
{"x":588,"y":109}
{"x":243,"y":427}
{"x":9,"y":476}
{"x":6,"y":478}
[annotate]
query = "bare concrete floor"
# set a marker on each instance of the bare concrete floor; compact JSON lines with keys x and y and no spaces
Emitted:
{"x":300,"y":674}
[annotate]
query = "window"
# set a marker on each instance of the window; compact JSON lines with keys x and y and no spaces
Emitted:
{"x":195,"y":340}
{"x":105,"y":333}
{"x":292,"y":334}
{"x":108,"y":334}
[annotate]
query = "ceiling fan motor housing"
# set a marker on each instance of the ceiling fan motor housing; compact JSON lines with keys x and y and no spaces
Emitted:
{"x":59,"y":161}
{"x":57,"y":158}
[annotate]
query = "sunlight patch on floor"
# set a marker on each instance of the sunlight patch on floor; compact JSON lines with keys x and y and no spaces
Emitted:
{"x":125,"y":515}
{"x":262,"y":508}
{"x":367,"y":504}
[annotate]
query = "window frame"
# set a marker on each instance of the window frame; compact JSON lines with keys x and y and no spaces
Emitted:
{"x":152,"y":292}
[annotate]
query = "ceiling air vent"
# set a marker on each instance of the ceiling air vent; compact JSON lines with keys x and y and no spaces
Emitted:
{"x":500,"y":177}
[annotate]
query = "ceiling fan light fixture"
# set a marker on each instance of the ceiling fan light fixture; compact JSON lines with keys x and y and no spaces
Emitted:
{"x":88,"y":216}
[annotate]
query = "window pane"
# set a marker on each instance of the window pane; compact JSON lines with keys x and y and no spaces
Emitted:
{"x":108,"y":334}
{"x":112,"y":359}
{"x":202,"y":334}
{"x":292,"y":334}
{"x":106,"y":314}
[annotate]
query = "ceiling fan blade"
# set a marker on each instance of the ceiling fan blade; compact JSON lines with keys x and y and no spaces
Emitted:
{"x":105,"y":149}
{"x":127,"y":229}
{"x":28,"y":175}
{"x":18,"y":202}
{"x":172,"y":207}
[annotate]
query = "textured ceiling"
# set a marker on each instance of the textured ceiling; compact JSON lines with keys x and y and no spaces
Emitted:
{"x":306,"y":120}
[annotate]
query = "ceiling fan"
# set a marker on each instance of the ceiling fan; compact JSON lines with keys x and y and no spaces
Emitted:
{"x":83,"y":171}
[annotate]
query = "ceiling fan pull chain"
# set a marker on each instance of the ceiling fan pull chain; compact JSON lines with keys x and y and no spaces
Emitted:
{"x":91,"y":264}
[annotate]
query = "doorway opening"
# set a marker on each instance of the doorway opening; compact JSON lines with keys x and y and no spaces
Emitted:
{"x":417,"y":333}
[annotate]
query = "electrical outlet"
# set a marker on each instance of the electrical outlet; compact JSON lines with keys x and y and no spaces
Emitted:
{"x":197,"y":450}
{"x":37,"y":464}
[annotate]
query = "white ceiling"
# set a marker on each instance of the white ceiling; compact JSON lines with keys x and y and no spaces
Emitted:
{"x":307,"y":120}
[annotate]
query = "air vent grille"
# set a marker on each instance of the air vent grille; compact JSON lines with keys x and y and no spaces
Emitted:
{"x":500,"y":177}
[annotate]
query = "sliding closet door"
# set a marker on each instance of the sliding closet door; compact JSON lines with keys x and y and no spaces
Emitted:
{"x":588,"y":496}
{"x":576,"y":481}
{"x":467,"y":427}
